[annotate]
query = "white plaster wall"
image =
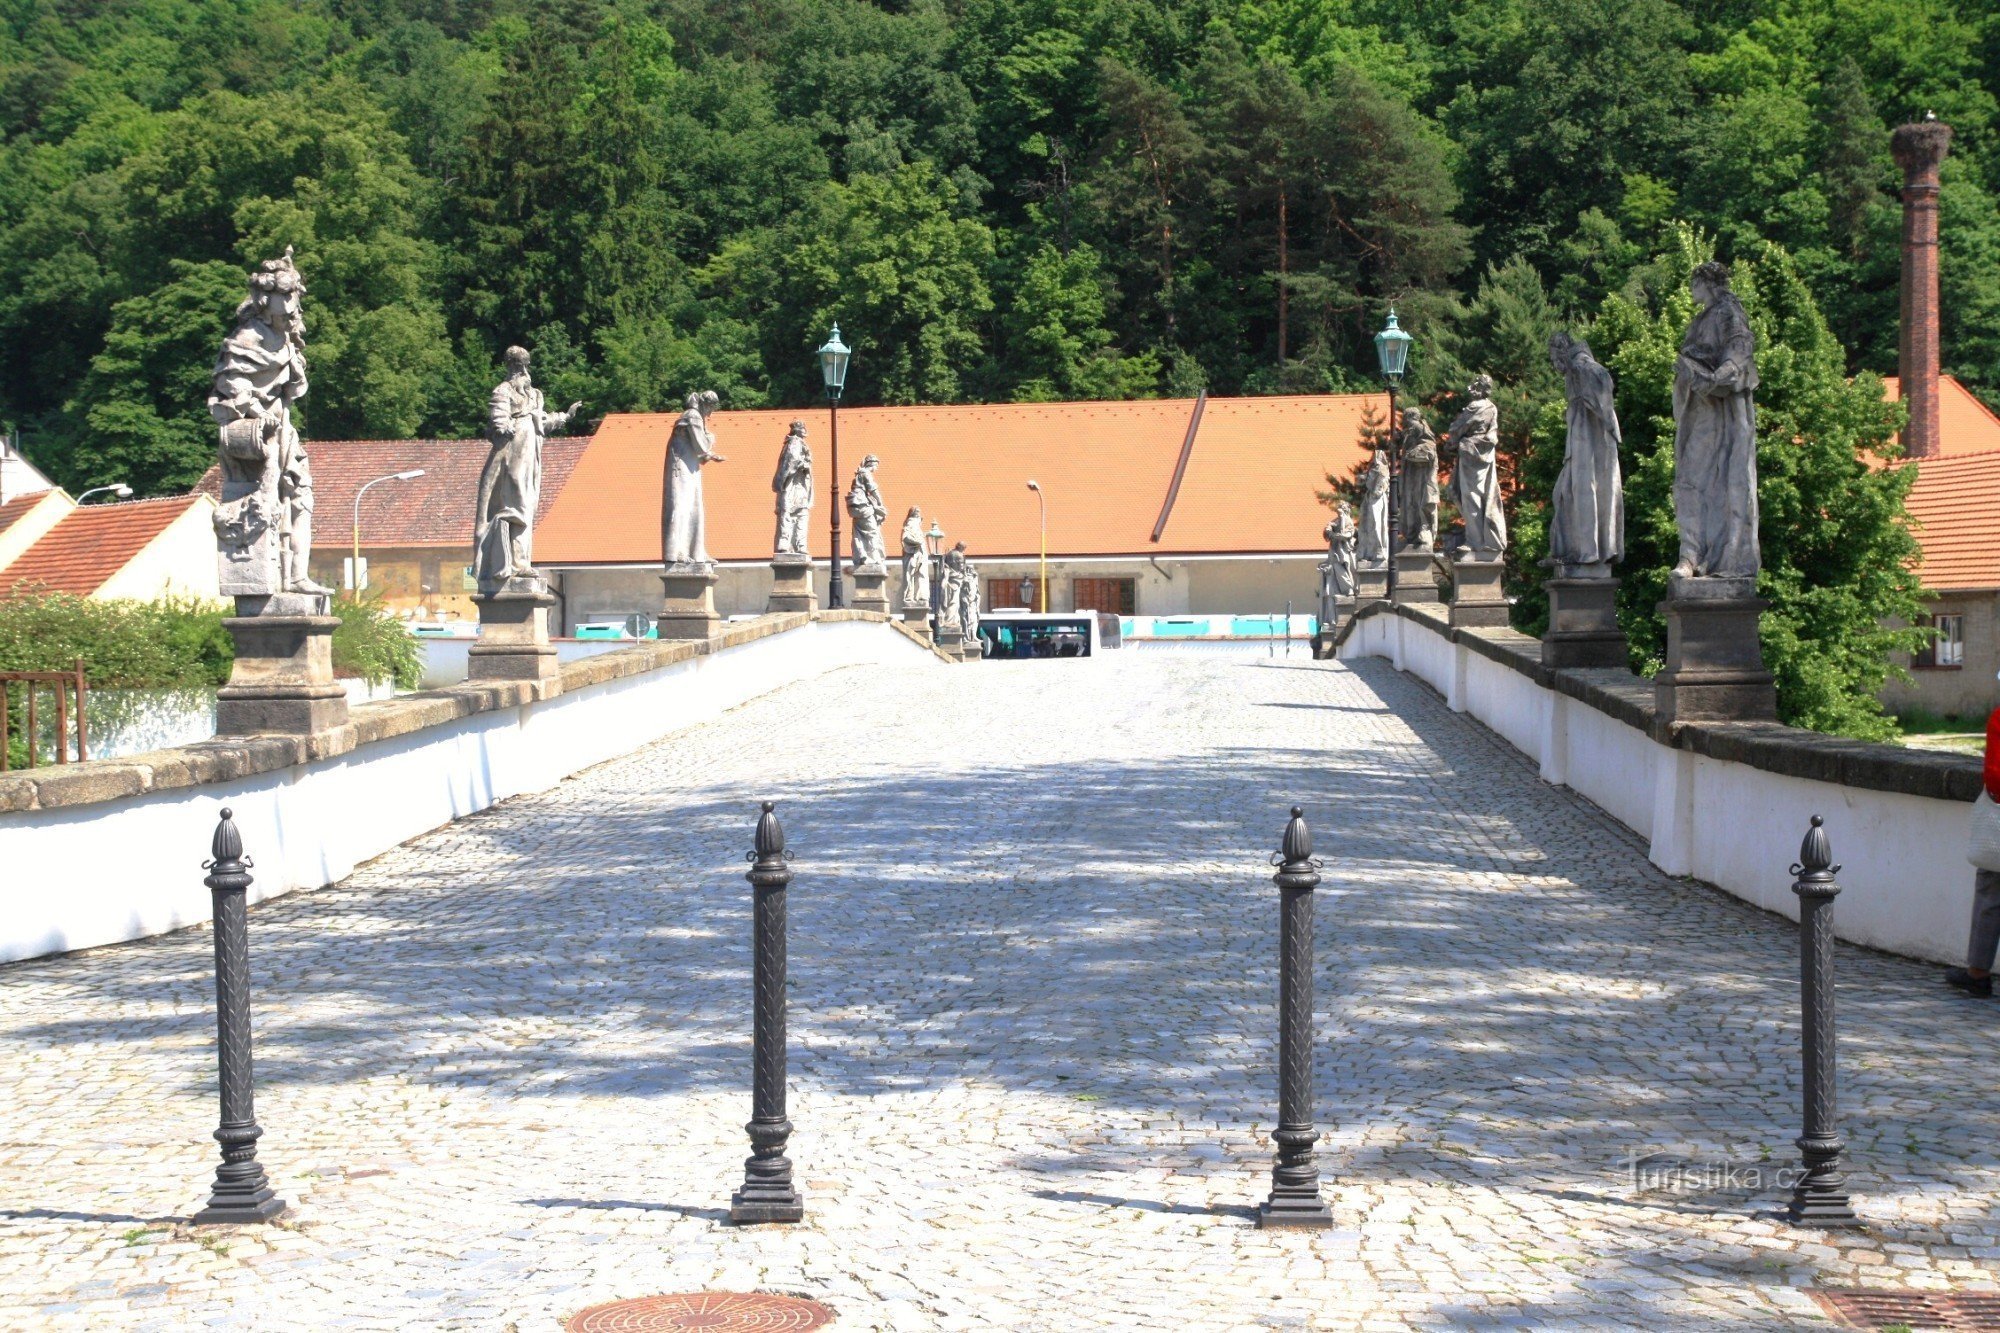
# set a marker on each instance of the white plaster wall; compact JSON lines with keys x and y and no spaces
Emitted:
{"x":119,"y":870}
{"x":179,"y":561}
{"x":1906,"y":886}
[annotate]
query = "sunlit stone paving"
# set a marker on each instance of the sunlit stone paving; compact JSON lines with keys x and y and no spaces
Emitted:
{"x":504,"y":1070}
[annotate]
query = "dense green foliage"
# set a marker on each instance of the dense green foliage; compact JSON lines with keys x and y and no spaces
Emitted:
{"x":372,"y":644}
{"x":996,"y":198}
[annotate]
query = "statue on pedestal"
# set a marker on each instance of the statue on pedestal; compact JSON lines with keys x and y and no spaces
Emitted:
{"x":1587,"y":508}
{"x":968,"y":600}
{"x":1341,"y":535}
{"x":683,"y":518}
{"x":1475,"y":475}
{"x":865,"y":508}
{"x":510,"y":485}
{"x":916,"y":565}
{"x":263,"y":525}
{"x":793,"y":486}
{"x":952,"y":585}
{"x":1417,"y":512}
{"x":1374,"y":538}
{"x":1715,"y":436}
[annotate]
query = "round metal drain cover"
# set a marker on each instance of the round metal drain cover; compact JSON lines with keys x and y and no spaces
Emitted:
{"x":720,"y":1311}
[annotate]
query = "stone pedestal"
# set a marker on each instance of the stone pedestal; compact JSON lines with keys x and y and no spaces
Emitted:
{"x":513,"y":642}
{"x":687,"y":610}
{"x":919,"y":614}
{"x":1476,"y":597}
{"x":1371,"y":585}
{"x":283,"y":678}
{"x":950,"y":638}
{"x":1583,"y":625}
{"x":971,"y":648}
{"x":791,"y":585}
{"x":1414,"y":580}
{"x":1715,"y":663}
{"x":871,"y":588}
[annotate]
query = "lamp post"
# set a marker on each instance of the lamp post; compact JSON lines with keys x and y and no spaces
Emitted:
{"x":355,"y":569}
{"x":1042,"y":495}
{"x":119,"y":489}
{"x":833,"y":358}
{"x":936,"y":539}
{"x":1392,"y":350}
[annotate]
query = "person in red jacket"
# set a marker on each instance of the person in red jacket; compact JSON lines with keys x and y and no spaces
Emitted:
{"x":1976,"y":977}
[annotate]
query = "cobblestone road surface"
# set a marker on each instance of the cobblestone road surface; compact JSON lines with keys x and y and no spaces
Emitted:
{"x":503,"y":1069}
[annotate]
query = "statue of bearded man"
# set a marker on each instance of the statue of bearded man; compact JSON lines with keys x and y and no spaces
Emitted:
{"x":263,"y":525}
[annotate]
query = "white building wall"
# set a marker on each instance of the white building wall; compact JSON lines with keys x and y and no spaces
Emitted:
{"x":180,"y":561}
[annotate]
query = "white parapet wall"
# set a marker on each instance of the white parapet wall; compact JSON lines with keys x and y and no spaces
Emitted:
{"x":100,"y":868}
{"x":1898,"y":820}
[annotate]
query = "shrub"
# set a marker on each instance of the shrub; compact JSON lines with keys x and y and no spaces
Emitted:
{"x":372,"y":644}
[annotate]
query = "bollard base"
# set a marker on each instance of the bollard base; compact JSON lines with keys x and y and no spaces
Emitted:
{"x":240,"y":1209}
{"x":749,"y":1206}
{"x":1306,"y":1214}
{"x":1828,"y":1212}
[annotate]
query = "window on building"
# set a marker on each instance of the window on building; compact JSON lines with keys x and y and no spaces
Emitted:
{"x":1006,"y":595}
{"x":1118,"y":596}
{"x":1947,"y":645}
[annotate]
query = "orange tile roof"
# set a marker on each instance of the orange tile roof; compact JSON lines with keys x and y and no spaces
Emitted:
{"x":1105,"y":467}
{"x":90,"y":544}
{"x":1955,"y":507}
{"x":432,"y":510}
{"x":1965,"y":425}
{"x":12,"y":511}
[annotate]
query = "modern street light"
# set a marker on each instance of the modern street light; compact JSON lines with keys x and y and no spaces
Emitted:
{"x":119,"y":489}
{"x":1043,"y":497}
{"x":1392,"y":350}
{"x":354,"y":571}
{"x":833,"y":358}
{"x":936,"y":539}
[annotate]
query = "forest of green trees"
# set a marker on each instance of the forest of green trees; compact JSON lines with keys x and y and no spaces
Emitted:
{"x":996,"y":198}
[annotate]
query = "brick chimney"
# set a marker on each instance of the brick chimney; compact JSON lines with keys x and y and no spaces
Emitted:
{"x":1919,"y":149}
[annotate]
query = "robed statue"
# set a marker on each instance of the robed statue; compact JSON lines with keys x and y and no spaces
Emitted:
{"x":510,"y":485}
{"x":916,"y":566}
{"x":1475,"y":475}
{"x":263,"y":524}
{"x":793,"y":486}
{"x":968,"y":600}
{"x":952,"y":585}
{"x":1338,"y":571}
{"x":865,"y":508}
{"x":1587,"y":508}
{"x":1374,"y":540}
{"x":1417,"y":510}
{"x":1715,"y":435}
{"x":683,"y":520}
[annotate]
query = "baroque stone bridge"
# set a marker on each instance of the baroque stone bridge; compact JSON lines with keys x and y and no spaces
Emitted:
{"x":503,"y":1069}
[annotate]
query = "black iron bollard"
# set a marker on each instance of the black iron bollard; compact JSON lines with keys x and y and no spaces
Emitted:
{"x":767,"y":1194}
{"x":1295,"y":1200}
{"x":241,"y":1193}
{"x":1820,"y":1198}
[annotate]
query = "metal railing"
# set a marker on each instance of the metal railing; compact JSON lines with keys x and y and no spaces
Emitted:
{"x":68,"y":685}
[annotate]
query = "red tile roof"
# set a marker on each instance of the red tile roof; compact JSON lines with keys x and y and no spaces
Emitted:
{"x":1965,"y":425}
{"x":1105,"y":467}
{"x":1955,"y":506}
{"x":12,"y":511}
{"x":90,"y":544}
{"x":432,"y":510}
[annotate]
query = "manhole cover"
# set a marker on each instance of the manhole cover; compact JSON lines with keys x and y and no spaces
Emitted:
{"x":720,"y":1311}
{"x":1958,"y":1312}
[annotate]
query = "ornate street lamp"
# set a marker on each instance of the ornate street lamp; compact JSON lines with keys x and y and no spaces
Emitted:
{"x":833,"y":358}
{"x":1043,"y":497}
{"x":1392,"y":351}
{"x":354,"y":571}
{"x":936,"y":539}
{"x":119,"y":489}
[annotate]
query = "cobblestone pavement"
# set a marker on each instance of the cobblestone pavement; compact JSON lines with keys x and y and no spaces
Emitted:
{"x":503,"y":1069}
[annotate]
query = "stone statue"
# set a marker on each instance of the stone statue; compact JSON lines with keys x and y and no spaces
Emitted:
{"x":1340,"y":540}
{"x":793,"y":486}
{"x":916,"y":566}
{"x":1587,"y":509}
{"x":865,"y":507}
{"x":510,"y":486}
{"x":952,"y":586}
{"x":968,"y":599}
{"x":683,"y":520}
{"x":1417,"y":501}
{"x":263,"y":525}
{"x":1374,"y":537}
{"x":1715,"y":436}
{"x":1475,"y":475}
